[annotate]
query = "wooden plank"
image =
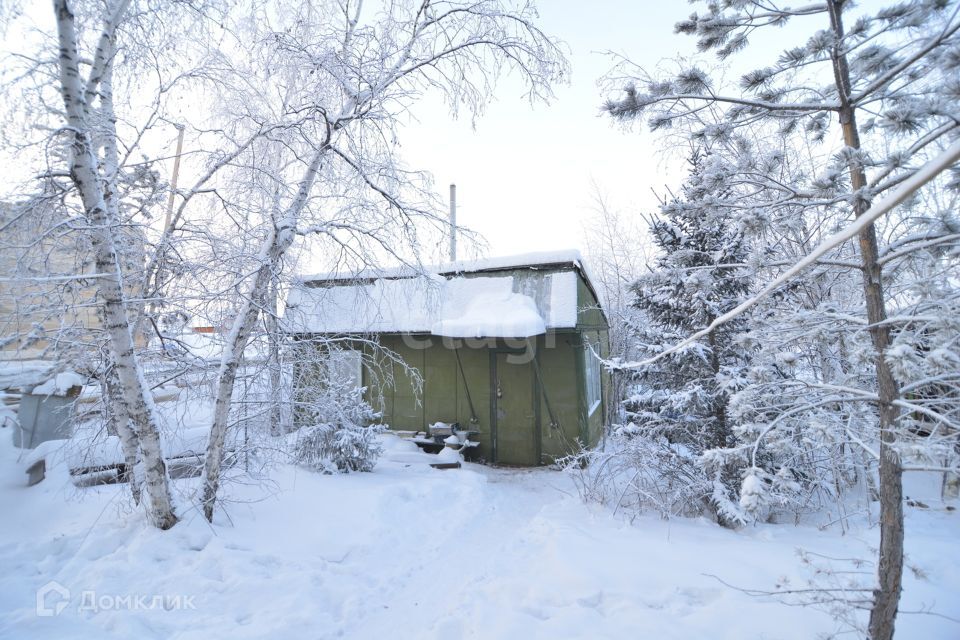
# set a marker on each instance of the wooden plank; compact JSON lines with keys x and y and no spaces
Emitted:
{"x":445,"y":465}
{"x":119,"y":467}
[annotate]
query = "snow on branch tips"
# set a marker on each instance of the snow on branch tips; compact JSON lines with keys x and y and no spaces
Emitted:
{"x":910,"y":186}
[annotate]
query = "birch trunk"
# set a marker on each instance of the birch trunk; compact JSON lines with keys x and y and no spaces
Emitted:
{"x":120,"y":414}
{"x":274,"y":246}
{"x":120,"y":421}
{"x":886,"y":597}
{"x":273,"y":361}
{"x":83,"y":172}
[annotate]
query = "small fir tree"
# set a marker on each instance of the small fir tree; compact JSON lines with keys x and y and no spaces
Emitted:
{"x":699,"y":276}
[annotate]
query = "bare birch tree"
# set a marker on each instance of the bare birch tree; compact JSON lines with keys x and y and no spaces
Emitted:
{"x":79,"y":91}
{"x":349,"y":72}
{"x":95,"y":159}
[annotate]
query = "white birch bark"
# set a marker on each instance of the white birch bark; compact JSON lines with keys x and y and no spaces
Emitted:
{"x":273,"y":360}
{"x":279,"y":239}
{"x":120,"y":421}
{"x":83,"y":172}
{"x":129,"y":442}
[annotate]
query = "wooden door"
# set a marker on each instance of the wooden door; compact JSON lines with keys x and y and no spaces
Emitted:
{"x":513,"y":411}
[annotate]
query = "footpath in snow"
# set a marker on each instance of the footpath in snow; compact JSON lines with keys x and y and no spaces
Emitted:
{"x":413,"y":552}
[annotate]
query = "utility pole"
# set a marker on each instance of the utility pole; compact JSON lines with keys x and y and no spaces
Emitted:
{"x":453,"y":223}
{"x":173,"y":177}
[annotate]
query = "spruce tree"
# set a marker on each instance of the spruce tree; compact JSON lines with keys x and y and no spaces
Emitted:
{"x":699,"y":275}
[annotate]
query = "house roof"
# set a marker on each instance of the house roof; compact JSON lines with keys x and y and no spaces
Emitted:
{"x":514,"y":296}
{"x":533,"y":260}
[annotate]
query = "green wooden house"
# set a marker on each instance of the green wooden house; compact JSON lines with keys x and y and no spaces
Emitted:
{"x":507,"y":347}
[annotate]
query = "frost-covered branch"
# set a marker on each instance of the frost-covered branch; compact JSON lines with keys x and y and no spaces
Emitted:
{"x":930,"y":171}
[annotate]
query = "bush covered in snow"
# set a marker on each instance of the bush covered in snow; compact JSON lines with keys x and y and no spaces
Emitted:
{"x":349,"y":447}
{"x":639,"y":472}
{"x":339,"y":427}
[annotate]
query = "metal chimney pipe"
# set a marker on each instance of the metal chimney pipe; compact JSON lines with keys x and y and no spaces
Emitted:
{"x":453,"y":223}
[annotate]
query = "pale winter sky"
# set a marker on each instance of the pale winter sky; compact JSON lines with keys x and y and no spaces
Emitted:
{"x":525,"y":173}
{"x":525,"y":176}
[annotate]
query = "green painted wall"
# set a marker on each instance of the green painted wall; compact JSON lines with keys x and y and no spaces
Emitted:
{"x":594,"y":429}
{"x":562,"y":378}
{"x":527,"y":396}
{"x":589,"y":313}
{"x":593,"y":330}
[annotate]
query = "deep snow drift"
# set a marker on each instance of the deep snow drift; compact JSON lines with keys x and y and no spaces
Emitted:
{"x":412,"y":552}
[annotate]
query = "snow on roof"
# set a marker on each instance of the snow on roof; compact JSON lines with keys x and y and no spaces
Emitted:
{"x":518,"y":305}
{"x":533,"y":259}
{"x":24,"y":374}
{"x":60,"y":384}
{"x":484,"y":307}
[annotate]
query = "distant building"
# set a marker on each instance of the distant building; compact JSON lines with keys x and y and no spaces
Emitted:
{"x":48,"y":311}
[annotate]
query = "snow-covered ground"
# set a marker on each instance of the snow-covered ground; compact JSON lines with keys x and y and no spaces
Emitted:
{"x":412,"y":552}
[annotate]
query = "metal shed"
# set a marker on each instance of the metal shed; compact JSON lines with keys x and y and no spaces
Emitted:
{"x":509,"y":346}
